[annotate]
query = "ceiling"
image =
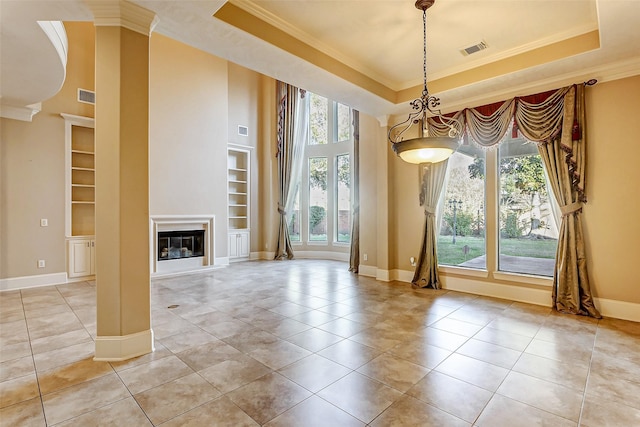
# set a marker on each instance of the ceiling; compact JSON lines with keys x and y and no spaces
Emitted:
{"x":368,"y":54}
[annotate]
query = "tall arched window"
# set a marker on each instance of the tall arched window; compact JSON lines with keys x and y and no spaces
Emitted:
{"x":322,"y":210}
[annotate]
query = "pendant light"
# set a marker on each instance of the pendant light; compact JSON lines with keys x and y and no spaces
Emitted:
{"x":425,"y":148}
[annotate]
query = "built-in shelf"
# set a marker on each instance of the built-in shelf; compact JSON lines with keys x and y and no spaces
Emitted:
{"x":238,"y":176}
{"x":80,"y":195}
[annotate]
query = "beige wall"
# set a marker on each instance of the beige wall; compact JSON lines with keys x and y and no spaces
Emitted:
{"x":32,"y":170}
{"x":612,"y":213}
{"x":244,"y":110}
{"x":371,"y":146}
{"x":188,"y":121}
{"x":267,"y":198}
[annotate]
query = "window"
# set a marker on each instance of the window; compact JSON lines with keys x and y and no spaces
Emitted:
{"x":526,"y":232}
{"x":343,"y":197}
{"x":322,"y":208}
{"x":318,"y":199}
{"x":462,"y":231}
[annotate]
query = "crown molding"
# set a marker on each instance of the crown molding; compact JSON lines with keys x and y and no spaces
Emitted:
{"x":123,"y":14}
{"x":24,"y":114}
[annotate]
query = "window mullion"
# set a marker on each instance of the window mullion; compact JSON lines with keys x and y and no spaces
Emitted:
{"x":492,"y":209}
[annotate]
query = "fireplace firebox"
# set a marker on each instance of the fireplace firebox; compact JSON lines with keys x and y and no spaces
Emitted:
{"x":180,"y":244}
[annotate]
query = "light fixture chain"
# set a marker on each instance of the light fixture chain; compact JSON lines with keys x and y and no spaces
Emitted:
{"x":424,"y":53}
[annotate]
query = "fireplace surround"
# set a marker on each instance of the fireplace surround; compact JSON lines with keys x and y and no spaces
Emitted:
{"x":181,"y":243}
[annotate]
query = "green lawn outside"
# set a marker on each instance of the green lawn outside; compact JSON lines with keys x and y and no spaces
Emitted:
{"x":450,"y":254}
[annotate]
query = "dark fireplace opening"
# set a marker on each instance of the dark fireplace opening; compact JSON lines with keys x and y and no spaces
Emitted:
{"x":180,"y":244}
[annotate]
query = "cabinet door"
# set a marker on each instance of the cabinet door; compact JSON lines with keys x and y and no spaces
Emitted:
{"x":233,"y":245}
{"x":243,"y":244}
{"x":80,"y":258}
{"x":92,"y":258}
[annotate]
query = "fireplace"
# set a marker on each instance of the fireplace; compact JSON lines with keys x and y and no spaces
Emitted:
{"x":180,"y":244}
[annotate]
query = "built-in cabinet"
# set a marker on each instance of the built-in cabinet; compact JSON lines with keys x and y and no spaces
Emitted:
{"x":80,"y":195}
{"x":82,"y":258}
{"x":238,"y":243}
{"x":238,"y":186}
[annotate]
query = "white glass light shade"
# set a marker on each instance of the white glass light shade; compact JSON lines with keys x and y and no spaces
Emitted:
{"x":426,"y":150}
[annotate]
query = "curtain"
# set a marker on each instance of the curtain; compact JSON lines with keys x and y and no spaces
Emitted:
{"x":555,"y":120}
{"x":432,"y":184}
{"x":292,"y":133}
{"x":354,"y":255}
{"x":564,"y":160}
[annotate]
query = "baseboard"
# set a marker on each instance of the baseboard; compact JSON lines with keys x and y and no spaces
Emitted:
{"x":180,"y":273}
{"x":372,"y":271}
{"x":367,"y":270}
{"x":334,"y":256}
{"x":221,"y":261}
{"x":118,"y":348}
{"x":518,"y":293}
{"x":531,"y":295}
{"x":402,"y":275}
{"x":383,"y":275}
{"x":618,"y":309}
{"x":25,"y":282}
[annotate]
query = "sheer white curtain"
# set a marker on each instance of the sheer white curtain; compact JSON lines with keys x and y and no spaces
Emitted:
{"x":300,"y":139}
{"x":292,"y":133}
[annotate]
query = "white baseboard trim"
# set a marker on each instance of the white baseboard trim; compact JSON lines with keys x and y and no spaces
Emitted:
{"x":334,"y":256}
{"x":471,"y":285}
{"x":383,"y":275}
{"x":180,"y":273}
{"x":533,"y":295}
{"x":618,"y":309}
{"x":402,"y":275}
{"x":367,"y":270}
{"x":372,"y":271}
{"x":118,"y":348}
{"x":24,"y":282}
{"x":498,"y":290}
{"x":221,"y":261}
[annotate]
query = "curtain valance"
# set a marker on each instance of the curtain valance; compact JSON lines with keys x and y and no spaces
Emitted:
{"x":539,"y":118}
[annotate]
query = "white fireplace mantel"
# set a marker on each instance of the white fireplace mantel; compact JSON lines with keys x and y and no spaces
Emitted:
{"x":159,"y":223}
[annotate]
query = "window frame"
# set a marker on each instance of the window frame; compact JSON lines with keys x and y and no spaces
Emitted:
{"x":492,"y":233}
{"x":331,"y":150}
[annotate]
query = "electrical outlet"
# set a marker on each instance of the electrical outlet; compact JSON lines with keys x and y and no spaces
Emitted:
{"x":41,"y":263}
{"x":365,"y":257}
{"x":413,"y":261}
{"x":44,"y":222}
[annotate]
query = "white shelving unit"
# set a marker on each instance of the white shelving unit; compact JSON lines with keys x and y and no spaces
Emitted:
{"x":80,"y":195}
{"x":238,"y":177}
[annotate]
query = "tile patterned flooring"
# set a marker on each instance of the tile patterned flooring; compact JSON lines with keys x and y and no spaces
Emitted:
{"x":306,"y":343}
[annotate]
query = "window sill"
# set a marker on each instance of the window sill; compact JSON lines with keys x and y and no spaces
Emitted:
{"x":342,"y":244}
{"x":317,"y":244}
{"x":498,"y":275}
{"x":472,"y":272}
{"x":524,"y":278}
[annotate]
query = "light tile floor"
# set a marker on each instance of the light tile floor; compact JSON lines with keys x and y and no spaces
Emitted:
{"x":306,"y":343}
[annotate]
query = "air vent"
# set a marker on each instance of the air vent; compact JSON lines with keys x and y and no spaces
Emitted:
{"x":243,"y":130}
{"x":474,"y":48}
{"x":86,"y":96}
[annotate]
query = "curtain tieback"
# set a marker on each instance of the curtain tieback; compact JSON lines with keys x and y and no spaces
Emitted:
{"x":428,"y":210}
{"x":281,"y":210}
{"x":570,"y":208}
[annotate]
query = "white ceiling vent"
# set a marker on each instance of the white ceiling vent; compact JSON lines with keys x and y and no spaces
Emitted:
{"x":474,"y":48}
{"x":86,"y":96}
